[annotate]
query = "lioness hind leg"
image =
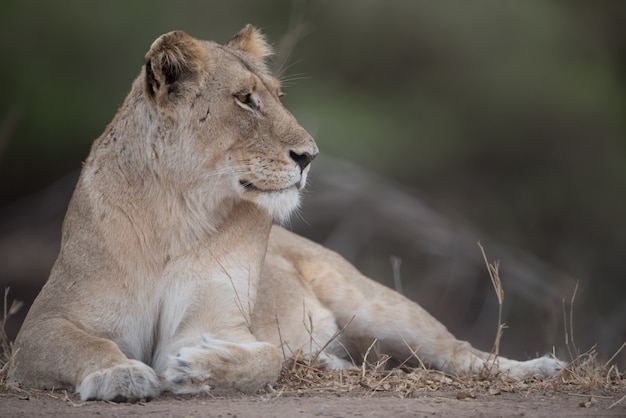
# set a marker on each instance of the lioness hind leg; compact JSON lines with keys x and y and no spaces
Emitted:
{"x":368,"y":311}
{"x":405,"y":331}
{"x":211,"y":362}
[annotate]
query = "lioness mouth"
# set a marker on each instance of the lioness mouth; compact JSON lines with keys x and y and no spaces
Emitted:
{"x":252,"y":188}
{"x":248,"y":185}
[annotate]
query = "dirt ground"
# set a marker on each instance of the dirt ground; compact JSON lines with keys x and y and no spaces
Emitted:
{"x":585,"y":388}
{"x":452,"y":403}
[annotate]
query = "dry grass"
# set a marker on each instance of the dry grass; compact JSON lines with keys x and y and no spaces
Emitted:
{"x":301,"y":376}
{"x":585,"y":376}
{"x":585,"y":379}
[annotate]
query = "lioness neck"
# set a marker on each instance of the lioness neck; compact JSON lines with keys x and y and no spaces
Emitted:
{"x":137,"y":197}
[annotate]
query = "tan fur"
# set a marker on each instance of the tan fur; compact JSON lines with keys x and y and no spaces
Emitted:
{"x":170,"y":274}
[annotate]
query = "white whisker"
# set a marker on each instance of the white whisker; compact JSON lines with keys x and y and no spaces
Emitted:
{"x":287,"y":81}
{"x":283,"y":68}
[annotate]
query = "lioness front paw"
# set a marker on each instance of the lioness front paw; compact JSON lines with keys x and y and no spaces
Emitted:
{"x":244,"y":366}
{"x":184,"y":375}
{"x":123,"y":383}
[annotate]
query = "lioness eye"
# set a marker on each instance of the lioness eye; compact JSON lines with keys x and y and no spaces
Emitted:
{"x":248,"y":99}
{"x":243,"y":97}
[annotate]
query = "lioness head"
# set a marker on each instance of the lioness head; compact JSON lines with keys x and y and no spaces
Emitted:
{"x":216,"y":122}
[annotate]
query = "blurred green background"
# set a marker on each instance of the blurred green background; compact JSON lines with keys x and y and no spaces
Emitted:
{"x":507,"y":115}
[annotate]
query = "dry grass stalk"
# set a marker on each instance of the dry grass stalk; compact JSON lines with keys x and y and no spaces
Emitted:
{"x":280,"y":335}
{"x":247,"y":316}
{"x":614,"y":355}
{"x":6,"y":349}
{"x":367,"y":354}
{"x":571,"y":317}
{"x":333,"y":338}
{"x":494,"y":275}
{"x":620,"y":400}
{"x":569,"y":337}
{"x":396,"y":262}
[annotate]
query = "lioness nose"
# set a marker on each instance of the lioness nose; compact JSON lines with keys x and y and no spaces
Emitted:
{"x":303,"y":159}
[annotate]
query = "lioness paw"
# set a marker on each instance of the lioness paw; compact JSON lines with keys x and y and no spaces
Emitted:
{"x":541,"y":367}
{"x":123,"y":383}
{"x":184,"y":374}
{"x":546,"y":366}
{"x":244,"y":366}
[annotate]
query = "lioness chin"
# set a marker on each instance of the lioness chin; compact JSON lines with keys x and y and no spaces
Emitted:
{"x":170,"y":274}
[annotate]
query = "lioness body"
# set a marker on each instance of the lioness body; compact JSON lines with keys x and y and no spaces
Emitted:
{"x":171,"y":275}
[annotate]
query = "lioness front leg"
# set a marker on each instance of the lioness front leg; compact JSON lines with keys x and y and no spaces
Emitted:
{"x":211,"y":344}
{"x":95,"y":367}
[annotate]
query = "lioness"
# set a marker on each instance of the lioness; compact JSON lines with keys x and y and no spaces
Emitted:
{"x":171,"y":275}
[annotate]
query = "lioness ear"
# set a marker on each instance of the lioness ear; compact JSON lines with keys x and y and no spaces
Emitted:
{"x":252,"y":42}
{"x":174,"y":63}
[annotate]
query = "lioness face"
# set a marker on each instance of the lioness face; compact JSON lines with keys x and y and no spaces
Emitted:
{"x":238,"y":128}
{"x":270,"y":155}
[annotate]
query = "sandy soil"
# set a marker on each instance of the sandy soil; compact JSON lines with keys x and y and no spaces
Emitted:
{"x":324,"y":404}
